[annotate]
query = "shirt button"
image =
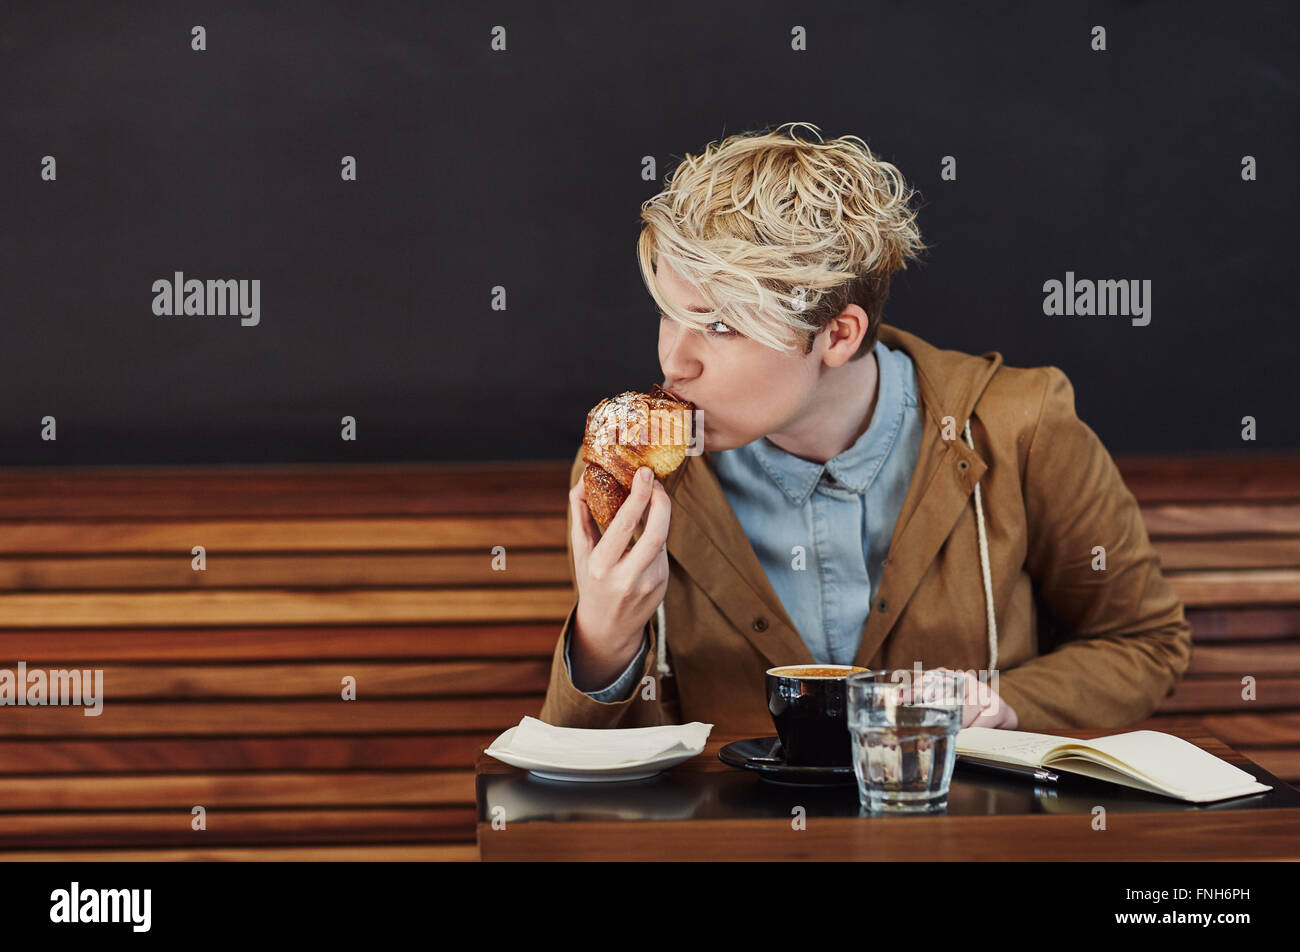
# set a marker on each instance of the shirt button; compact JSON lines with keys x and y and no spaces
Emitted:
{"x":963,"y":465}
{"x":884,"y":605}
{"x":760,"y":623}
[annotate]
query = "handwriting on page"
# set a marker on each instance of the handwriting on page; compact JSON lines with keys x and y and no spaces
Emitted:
{"x":1029,"y":747}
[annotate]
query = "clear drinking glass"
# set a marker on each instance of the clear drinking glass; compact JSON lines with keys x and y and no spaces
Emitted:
{"x":904,"y":739}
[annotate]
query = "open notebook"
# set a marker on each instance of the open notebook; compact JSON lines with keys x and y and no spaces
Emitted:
{"x":1148,"y":760}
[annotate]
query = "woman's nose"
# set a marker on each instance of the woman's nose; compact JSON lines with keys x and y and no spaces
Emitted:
{"x":676,"y":352}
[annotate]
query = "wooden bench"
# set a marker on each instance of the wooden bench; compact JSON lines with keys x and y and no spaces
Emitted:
{"x":223,"y":686}
{"x":1228,"y":535}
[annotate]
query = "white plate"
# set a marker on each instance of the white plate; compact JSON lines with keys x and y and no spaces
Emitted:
{"x":637,"y":770}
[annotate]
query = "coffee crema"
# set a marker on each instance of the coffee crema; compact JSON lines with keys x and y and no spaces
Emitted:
{"x":816,"y":671}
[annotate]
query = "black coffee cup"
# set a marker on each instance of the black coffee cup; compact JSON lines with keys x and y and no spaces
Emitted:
{"x":809,"y":706}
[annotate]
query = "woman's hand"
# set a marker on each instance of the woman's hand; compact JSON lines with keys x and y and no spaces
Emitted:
{"x":983,"y":707}
{"x":619,"y":587}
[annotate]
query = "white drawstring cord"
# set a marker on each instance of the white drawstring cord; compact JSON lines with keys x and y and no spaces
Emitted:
{"x":662,"y":652}
{"x":992,"y":623}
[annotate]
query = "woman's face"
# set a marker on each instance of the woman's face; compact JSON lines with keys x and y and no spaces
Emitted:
{"x":744,"y":389}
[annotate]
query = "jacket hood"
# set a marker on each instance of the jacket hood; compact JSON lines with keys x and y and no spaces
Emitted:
{"x":951,"y":381}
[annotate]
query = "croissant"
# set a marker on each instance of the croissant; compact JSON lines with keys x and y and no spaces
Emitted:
{"x":625,"y":433}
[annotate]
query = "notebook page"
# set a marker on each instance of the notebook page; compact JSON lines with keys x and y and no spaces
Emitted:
{"x":1172,"y":762}
{"x":1088,"y":768}
{"x":1019,"y":747}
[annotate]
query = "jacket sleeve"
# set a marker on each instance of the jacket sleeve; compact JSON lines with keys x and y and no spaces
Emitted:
{"x":568,"y":706}
{"x":620,"y":687}
{"x":1113,"y":642}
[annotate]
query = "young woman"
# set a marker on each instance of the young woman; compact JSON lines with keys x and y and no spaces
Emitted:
{"x":864,"y":497}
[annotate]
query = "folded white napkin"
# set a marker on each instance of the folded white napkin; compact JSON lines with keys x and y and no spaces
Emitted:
{"x":615,"y":747}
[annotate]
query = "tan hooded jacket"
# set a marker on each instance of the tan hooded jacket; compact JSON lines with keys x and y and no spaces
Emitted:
{"x":991,"y":564}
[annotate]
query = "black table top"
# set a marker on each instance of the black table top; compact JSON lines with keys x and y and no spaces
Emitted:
{"x":695,"y":791}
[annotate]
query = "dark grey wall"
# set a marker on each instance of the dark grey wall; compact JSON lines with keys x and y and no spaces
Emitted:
{"x":523,"y":169}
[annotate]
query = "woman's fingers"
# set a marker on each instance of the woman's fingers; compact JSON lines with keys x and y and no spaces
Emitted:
{"x":614,"y":542}
{"x":585,"y":533}
{"x":655,"y":534}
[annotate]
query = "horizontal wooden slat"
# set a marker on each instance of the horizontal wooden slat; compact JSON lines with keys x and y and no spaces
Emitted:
{"x":1243,"y":624}
{"x":1222,"y":519}
{"x":1252,"y":628}
{"x":1240,"y":587}
{"x":1264,"y":729}
{"x":1229,"y":553}
{"x":226,"y":718}
{"x":324,"y":681}
{"x":1242,"y":659}
{"x":272,"y":534}
{"x":38,"y":756}
{"x":314,"y":489}
{"x":135,"y":718}
{"x":1280,"y":761}
{"x":520,"y":567}
{"x":263,"y":606}
{"x":1248,"y":475}
{"x":88,"y":646}
{"x":474,"y":567}
{"x":482,"y":532}
{"x":235,"y":827}
{"x":54,"y":492}
{"x":1224,"y":694}
{"x":182,"y":792}
{"x":417,"y":853}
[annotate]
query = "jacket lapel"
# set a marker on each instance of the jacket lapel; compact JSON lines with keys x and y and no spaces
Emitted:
{"x":935,"y":499}
{"x":708,"y":540}
{"x":950,"y":383}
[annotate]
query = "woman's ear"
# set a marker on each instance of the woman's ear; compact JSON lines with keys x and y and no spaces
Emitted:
{"x":844,"y":335}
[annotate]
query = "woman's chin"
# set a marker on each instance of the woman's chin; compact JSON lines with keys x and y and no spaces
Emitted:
{"x":717,"y":443}
{"x":717,"y":439}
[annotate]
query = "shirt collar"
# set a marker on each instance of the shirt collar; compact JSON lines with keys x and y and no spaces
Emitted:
{"x":856,"y":468}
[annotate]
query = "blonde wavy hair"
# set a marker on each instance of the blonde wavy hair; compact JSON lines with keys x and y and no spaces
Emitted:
{"x":780,"y":234}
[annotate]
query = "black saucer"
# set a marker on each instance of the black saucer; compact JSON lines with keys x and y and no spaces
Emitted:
{"x":766,"y":757}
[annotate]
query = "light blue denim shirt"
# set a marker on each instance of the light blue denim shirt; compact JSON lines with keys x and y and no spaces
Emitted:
{"x":821,"y":531}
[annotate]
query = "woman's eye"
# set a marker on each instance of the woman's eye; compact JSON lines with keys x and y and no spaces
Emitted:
{"x":716,"y":329}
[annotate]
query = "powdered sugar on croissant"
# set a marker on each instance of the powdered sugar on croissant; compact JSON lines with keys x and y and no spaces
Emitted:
{"x":626,"y":432}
